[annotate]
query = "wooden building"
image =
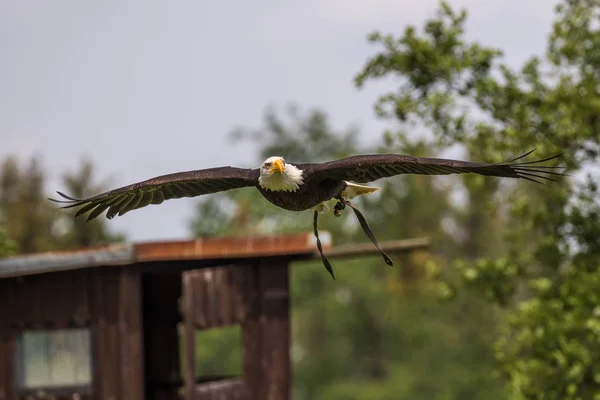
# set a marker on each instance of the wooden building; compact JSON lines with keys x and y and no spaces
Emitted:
{"x":109,"y":322}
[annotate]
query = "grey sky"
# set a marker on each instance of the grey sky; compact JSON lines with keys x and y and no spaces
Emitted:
{"x":150,"y":87}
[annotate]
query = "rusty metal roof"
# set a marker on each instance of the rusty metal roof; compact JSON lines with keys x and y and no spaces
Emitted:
{"x":290,"y":246}
{"x":215,"y":248}
{"x":231,"y":247}
{"x":51,"y":261}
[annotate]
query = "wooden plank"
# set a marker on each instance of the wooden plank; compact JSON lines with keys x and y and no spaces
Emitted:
{"x":34,"y":314}
{"x":251,"y":353}
{"x":246,"y":283}
{"x":251,"y":332}
{"x":8,"y":308}
{"x":55,"y":393}
{"x":189,"y":337}
{"x":30,"y":308}
{"x":224,"y":306}
{"x":7,"y":365}
{"x":80,"y":315}
{"x":112,"y":373}
{"x":104,"y":325}
{"x":199,"y":298}
{"x":226,"y":389}
{"x":266,"y":335}
{"x":217,"y":295}
{"x":4,"y":379}
{"x":211,"y":294}
{"x":237,"y":284}
{"x":243,"y":283}
{"x":56,"y":313}
{"x":98,"y":329}
{"x":131,"y":335}
{"x":274,"y":286}
{"x":19,"y":313}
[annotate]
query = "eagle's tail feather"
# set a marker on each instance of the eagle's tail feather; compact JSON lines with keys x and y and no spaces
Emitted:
{"x":352,"y":190}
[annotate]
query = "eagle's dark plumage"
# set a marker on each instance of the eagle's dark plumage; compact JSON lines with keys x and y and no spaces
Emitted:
{"x":312,"y":185}
{"x":368,"y":168}
{"x":156,"y":190}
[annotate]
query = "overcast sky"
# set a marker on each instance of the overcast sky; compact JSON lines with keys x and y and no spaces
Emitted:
{"x":145,"y":88}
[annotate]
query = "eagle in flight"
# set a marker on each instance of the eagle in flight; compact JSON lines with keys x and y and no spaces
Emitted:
{"x":299,"y":187}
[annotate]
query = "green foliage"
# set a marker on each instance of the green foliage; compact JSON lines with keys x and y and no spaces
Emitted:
{"x":552,"y":339}
{"x":32,"y":223}
{"x":380,"y":333}
{"x":225,"y":342}
{"x":27,"y":213}
{"x":544,"y":238}
{"x":7,"y":247}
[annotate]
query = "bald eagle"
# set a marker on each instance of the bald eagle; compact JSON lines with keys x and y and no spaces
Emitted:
{"x":299,"y":187}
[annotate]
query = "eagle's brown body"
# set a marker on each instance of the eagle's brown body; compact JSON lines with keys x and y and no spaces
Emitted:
{"x":309,"y":194}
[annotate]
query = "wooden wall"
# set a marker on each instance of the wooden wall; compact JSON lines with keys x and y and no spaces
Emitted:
{"x":255,"y":297}
{"x":133,"y":318}
{"x":106,"y":300}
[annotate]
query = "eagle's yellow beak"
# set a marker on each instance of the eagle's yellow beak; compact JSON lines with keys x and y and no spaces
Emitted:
{"x":277,"y":166}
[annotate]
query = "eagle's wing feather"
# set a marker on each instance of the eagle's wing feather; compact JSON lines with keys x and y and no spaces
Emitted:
{"x":368,"y":168}
{"x":156,"y":190}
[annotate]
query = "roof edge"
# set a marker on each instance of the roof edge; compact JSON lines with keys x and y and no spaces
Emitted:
{"x":213,"y":248}
{"x":54,"y":261}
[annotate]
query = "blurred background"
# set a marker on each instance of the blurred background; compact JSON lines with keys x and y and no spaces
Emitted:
{"x":96,"y":95}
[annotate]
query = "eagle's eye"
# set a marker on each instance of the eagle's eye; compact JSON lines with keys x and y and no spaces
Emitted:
{"x":268,"y":165}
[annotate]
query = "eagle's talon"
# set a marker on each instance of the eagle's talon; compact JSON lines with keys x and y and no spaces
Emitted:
{"x":339,"y":207}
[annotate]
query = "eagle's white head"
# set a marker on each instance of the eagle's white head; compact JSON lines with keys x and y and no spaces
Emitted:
{"x":276,"y":175}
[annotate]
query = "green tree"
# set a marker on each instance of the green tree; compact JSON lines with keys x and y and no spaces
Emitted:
{"x":7,"y":247}
{"x":28,"y":215}
{"x":33,"y":223}
{"x":550,"y":345}
{"x":529,"y":247}
{"x":346,"y":334}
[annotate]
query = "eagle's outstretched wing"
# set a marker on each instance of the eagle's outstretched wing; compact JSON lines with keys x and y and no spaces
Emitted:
{"x":368,"y":168}
{"x":161,"y":188}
